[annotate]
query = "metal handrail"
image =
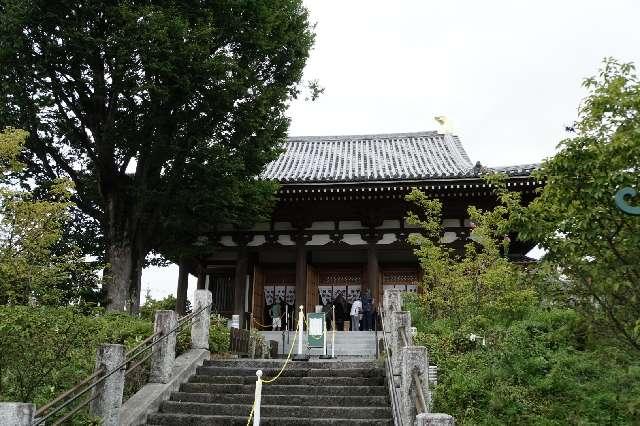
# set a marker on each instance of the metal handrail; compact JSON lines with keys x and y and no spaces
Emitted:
{"x":393,"y":390}
{"x":101,"y":375}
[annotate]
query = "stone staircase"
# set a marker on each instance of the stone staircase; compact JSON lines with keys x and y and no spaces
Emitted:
{"x":315,"y":392}
{"x":348,"y":343}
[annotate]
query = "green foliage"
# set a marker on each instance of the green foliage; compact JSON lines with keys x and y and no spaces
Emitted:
{"x":219,"y":335}
{"x":44,"y":351}
{"x":575,"y":219}
{"x":535,"y":370}
{"x":34,"y":266}
{"x":479,"y":283}
{"x":541,"y":363}
{"x":148,"y":310}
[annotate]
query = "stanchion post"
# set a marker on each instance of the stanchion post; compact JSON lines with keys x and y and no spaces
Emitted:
{"x":258,"y":398}
{"x":300,"y":356}
{"x":333,"y":334}
{"x":300,"y":330}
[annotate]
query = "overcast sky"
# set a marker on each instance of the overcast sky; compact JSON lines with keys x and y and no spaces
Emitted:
{"x":507,"y":74}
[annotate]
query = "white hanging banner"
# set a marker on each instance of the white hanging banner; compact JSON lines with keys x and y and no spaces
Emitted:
{"x":326,"y":293}
{"x":280,"y":293}
{"x":412,"y":288}
{"x":291,"y":295}
{"x":268,"y":295}
{"x":402,"y":287}
{"x":353,"y":292}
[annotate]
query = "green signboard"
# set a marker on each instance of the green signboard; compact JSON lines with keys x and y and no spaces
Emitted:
{"x":315,"y":332}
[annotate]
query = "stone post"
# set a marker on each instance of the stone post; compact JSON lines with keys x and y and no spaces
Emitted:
{"x":413,"y":358}
{"x":401,"y":319}
{"x":163,"y":354}
{"x":17,"y":413}
{"x":395,"y":300}
{"x":200,"y":323}
{"x":252,"y":346}
{"x":108,"y":393}
{"x":434,"y":419}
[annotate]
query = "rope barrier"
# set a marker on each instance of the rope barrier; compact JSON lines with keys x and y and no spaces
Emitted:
{"x":295,"y":335}
{"x":263,"y":325}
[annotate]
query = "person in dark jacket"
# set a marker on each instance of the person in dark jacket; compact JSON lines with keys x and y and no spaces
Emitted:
{"x":367,"y":311}
{"x":341,"y":311}
{"x":327,"y":308}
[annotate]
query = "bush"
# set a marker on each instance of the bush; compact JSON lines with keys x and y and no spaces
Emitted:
{"x":44,"y":351}
{"x":219,"y":335}
{"x":535,"y":370}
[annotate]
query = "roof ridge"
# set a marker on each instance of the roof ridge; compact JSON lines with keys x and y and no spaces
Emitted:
{"x":426,"y":133}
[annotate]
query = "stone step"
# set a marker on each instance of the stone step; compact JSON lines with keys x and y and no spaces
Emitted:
{"x":276,"y":389}
{"x":292,"y":372}
{"x":167,"y":419}
{"x":276,"y":410}
{"x":292,"y":365}
{"x":303,"y":400}
{"x":284,"y":380}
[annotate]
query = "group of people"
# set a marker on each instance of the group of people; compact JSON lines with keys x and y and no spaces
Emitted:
{"x":361,"y":313}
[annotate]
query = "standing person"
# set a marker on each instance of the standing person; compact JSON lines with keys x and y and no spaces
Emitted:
{"x":341,"y":311}
{"x":275,"y":312}
{"x":326,"y":308}
{"x":367,"y":310}
{"x":356,"y":310}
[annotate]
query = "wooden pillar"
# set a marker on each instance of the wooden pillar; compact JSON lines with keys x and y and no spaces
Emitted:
{"x":372,"y":270}
{"x":240,"y":284}
{"x":201,"y":277}
{"x":301,"y":274}
{"x":183,"y":285}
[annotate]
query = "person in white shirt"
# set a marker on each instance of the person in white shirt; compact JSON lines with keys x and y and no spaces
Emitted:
{"x":356,"y":310}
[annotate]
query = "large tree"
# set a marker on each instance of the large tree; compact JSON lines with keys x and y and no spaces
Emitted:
{"x":159,"y":111}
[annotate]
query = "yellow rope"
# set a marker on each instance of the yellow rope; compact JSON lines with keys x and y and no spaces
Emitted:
{"x":277,"y":376}
{"x":263,"y":325}
{"x":285,"y":362}
{"x":251,"y":413}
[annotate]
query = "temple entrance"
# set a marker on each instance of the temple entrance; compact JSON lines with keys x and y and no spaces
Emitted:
{"x":272,"y":286}
{"x":340,"y":288}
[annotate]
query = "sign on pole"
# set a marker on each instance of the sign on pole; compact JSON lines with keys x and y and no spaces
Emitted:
{"x":316,"y":329}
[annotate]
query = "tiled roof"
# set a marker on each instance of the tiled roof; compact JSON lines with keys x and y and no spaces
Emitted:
{"x":361,"y":158}
{"x":383,"y":157}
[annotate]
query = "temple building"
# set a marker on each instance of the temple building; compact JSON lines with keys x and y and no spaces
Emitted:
{"x":339,"y":222}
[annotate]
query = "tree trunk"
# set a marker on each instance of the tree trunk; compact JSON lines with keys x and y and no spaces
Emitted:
{"x":118,"y":282}
{"x":183,"y":284}
{"x":125,"y":233}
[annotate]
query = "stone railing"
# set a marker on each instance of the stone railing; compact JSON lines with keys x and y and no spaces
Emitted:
{"x":408,"y":371}
{"x":105,"y":387}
